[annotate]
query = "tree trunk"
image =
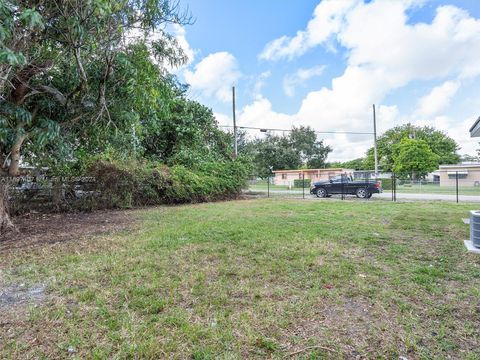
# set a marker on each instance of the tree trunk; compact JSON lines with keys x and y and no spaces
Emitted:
{"x":5,"y":222}
{"x":58,"y":195}
{"x":2,"y":158}
{"x":14,"y":168}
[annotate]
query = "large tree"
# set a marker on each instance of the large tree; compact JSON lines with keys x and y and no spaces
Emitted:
{"x":414,"y":158}
{"x":300,"y":148}
{"x":70,"y":72}
{"x":57,"y":62}
{"x":444,"y":147}
{"x":313,"y":152}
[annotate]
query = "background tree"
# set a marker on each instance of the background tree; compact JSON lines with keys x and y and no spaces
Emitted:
{"x":438,"y":142}
{"x":469,"y":158}
{"x":300,"y":148}
{"x":274,"y":153}
{"x":313,"y":153}
{"x":414,"y":157}
{"x":355,"y":164}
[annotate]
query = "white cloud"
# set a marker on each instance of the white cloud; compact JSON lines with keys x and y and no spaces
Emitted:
{"x":438,"y":99}
{"x":260,"y":114}
{"x":260,"y":83}
{"x":327,"y":20}
{"x":384,"y":53}
{"x":291,"y":81}
{"x":180,"y":35}
{"x":222,"y":119}
{"x":378,"y":37}
{"x":214,"y":76}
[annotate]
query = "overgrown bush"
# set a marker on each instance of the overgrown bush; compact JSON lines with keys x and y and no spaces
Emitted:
{"x":120,"y":184}
{"x":139,"y":185}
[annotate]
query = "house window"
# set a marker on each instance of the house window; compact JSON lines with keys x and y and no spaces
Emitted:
{"x":284,"y":176}
{"x":460,"y":176}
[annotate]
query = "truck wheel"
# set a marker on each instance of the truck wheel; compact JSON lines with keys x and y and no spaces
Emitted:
{"x":362,"y":193}
{"x":321,"y":193}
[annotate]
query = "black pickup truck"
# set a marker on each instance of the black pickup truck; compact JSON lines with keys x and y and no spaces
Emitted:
{"x":346,"y":185}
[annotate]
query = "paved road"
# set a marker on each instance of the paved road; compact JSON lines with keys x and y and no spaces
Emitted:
{"x":467,"y":198}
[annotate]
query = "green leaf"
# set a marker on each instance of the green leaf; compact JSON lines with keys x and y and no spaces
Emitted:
{"x":31,"y":19}
{"x":7,"y":56}
{"x":23,"y":115}
{"x":4,"y":33}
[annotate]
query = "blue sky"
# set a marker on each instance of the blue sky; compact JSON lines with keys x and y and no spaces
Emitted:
{"x":323,"y":64}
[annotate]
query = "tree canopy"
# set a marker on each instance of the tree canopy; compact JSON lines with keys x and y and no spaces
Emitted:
{"x":78,"y":78}
{"x":355,"y":164}
{"x":414,"y":157}
{"x":444,"y":147}
{"x":299,"y":148}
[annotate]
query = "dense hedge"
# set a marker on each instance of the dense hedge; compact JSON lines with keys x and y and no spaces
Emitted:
{"x":298,"y":183}
{"x":119,"y":185}
{"x":134,"y":185}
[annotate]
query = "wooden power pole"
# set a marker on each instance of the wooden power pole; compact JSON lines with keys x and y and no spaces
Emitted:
{"x":234,"y":124}
{"x":375,"y":140}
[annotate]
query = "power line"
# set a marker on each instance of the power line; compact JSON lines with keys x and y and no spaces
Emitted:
{"x":290,"y":130}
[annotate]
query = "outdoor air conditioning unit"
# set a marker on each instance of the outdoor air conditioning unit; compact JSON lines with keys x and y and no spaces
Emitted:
{"x":475,"y":228}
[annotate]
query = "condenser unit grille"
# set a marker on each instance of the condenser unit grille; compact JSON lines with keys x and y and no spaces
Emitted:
{"x":475,"y":227}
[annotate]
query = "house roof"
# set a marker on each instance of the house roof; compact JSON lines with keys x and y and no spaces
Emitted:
{"x":306,"y":170}
{"x":475,"y":129}
{"x":459,"y":166}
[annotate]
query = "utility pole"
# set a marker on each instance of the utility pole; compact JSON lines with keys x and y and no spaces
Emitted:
{"x":375,"y":140}
{"x":234,"y":124}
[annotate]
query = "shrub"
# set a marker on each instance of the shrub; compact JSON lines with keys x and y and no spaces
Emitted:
{"x":386,"y":184}
{"x":124,"y":185}
{"x":134,"y":185}
{"x":298,"y":183}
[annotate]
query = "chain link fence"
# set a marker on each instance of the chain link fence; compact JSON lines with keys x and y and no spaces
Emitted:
{"x":448,"y":185}
{"x":42,"y":193}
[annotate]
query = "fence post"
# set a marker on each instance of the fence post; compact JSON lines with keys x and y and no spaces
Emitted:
{"x":391,"y":178}
{"x":394,"y":187}
{"x":303,"y":184}
{"x":268,"y":186}
{"x":456,"y":183}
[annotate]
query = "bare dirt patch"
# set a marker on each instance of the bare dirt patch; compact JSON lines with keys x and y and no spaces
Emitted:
{"x":38,"y":229}
{"x":20,"y":294}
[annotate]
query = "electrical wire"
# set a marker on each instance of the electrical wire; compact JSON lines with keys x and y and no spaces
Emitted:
{"x":290,"y":130}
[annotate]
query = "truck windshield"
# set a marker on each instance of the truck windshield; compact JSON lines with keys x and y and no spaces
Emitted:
{"x":339,"y":178}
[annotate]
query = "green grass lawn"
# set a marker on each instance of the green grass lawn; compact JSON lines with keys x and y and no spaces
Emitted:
{"x":255,"y":279}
